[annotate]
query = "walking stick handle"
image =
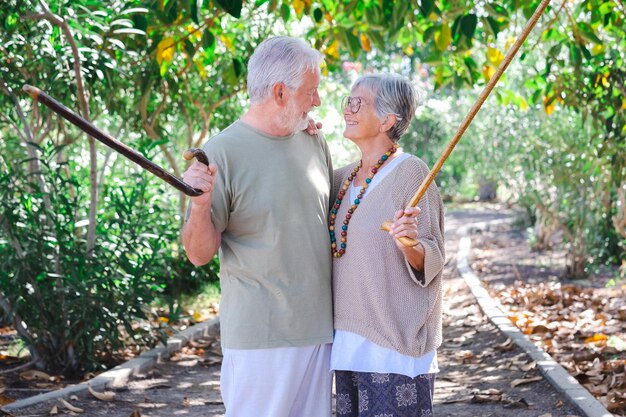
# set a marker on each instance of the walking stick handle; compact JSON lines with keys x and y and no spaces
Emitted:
{"x":199,"y":154}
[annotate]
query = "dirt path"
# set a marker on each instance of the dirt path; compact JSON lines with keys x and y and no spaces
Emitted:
{"x":477,"y":368}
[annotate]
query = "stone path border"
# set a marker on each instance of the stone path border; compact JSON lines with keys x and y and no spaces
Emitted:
{"x":119,"y":375}
{"x":551,"y":370}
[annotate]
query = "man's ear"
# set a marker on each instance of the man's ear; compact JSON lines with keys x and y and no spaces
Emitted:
{"x":388,"y":123}
{"x":280,"y":91}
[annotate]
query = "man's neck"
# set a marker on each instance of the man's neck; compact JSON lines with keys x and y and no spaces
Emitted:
{"x":265,"y":119}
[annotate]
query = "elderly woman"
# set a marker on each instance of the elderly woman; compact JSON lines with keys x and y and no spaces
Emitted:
{"x":387,"y":297}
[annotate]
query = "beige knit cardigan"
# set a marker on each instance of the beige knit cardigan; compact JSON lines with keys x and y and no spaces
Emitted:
{"x":377,"y":294}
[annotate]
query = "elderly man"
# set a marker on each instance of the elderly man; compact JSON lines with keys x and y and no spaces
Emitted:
{"x":266,"y":196}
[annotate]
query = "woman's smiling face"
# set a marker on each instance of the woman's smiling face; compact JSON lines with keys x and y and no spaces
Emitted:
{"x":364,"y":122}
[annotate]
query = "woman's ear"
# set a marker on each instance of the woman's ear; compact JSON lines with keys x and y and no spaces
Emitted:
{"x":280,"y":90}
{"x":388,"y":123}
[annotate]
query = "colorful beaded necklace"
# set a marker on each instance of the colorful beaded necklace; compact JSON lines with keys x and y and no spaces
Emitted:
{"x":343,"y":241}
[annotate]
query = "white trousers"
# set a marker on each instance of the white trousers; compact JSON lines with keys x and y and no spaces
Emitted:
{"x":280,"y":382}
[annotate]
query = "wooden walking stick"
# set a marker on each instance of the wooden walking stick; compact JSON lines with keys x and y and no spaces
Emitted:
{"x":87,"y":127}
{"x":470,"y":116}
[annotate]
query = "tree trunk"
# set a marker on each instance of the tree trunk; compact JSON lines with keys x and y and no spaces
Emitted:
{"x":487,"y":189}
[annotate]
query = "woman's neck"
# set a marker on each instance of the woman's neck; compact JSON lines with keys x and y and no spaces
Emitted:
{"x":370,"y":155}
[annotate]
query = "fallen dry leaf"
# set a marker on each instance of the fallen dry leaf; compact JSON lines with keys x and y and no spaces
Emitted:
{"x":528,"y":366}
{"x":54,"y":411}
{"x":522,"y":381}
{"x":102,"y":396}
{"x":597,"y":338}
{"x":490,"y":391}
{"x":34,"y":374}
{"x":521,"y":403}
{"x":481,"y":399}
{"x":5,"y":400}
{"x":71,"y":407}
{"x":506,"y":346}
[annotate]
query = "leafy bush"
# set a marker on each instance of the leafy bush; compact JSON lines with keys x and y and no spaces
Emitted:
{"x":80,"y":310}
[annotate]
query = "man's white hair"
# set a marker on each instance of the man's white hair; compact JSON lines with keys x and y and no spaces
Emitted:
{"x":280,"y":59}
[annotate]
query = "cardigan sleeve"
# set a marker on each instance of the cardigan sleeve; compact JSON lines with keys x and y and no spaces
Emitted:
{"x":430,"y":222}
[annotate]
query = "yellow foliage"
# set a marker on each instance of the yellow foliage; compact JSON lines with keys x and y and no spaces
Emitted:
{"x":549,"y":108}
{"x":494,"y":56}
{"x":509,"y":41}
{"x":298,"y":6}
{"x":324,"y":69}
{"x":333,"y":50}
{"x":624,"y":104}
{"x":605,"y":81}
{"x":488,"y":71}
{"x":165,"y":50}
{"x":200,"y":67}
{"x":443,"y":37}
{"x":164,"y":320}
{"x":409,"y":51}
{"x":228,"y":42}
{"x":597,"y":49}
{"x":194,"y":33}
{"x":523,"y":104}
{"x":439,"y":75}
{"x":365,"y":43}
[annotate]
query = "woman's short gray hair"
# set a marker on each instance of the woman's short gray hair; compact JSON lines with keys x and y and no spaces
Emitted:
{"x":280,"y":59}
{"x":393,"y":94}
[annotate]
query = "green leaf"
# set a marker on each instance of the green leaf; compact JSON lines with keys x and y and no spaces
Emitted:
{"x":555,"y":51}
{"x":129,"y":31}
{"x":496,"y":10}
{"x":140,"y":22}
{"x":285,"y":12}
{"x":468,"y":25}
{"x":426,"y":7}
{"x":134,"y":10}
{"x":238,"y":67}
{"x":189,"y":48}
{"x":429,"y":33}
{"x":379,"y":41}
{"x":493,"y":25}
{"x":208,"y":40}
{"x":353,"y":42}
{"x":587,"y":34}
{"x":575,"y":55}
{"x":606,"y":8}
{"x":195,"y":8}
{"x":373,"y":14}
{"x":11,"y":20}
{"x":232,"y":7}
{"x":318,"y":14}
{"x":163,"y":68}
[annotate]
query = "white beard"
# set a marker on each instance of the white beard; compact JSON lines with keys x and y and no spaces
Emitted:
{"x":292,"y":119}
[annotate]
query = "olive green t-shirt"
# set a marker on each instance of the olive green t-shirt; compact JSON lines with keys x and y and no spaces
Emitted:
{"x":270,"y":202}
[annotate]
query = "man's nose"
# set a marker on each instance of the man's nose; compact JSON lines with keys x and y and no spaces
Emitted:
{"x":316,"y":100}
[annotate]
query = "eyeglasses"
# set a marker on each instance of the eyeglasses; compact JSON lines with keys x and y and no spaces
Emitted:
{"x":354,"y":103}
